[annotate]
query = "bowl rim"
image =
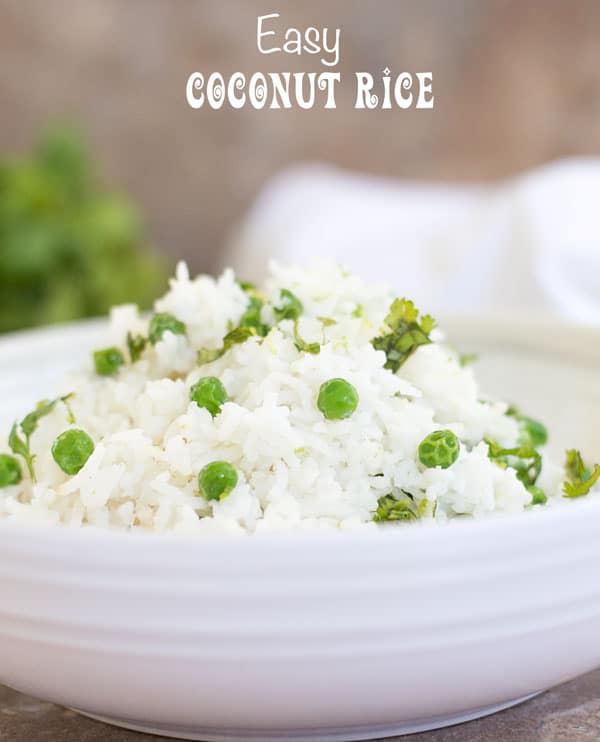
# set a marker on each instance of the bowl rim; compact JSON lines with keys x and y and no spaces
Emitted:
{"x":565,"y":513}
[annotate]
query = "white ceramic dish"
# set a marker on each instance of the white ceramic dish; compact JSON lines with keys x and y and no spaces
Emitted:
{"x":312,"y":637}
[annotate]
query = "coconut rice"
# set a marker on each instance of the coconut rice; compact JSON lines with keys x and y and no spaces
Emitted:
{"x":296,"y":470}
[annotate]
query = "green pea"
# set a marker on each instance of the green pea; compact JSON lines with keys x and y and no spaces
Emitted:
{"x":107,"y":361}
{"x":533,"y":433}
{"x":439,"y":448}
{"x":338,"y":399}
{"x":10,"y":471}
{"x":164,"y":322}
{"x":538,"y":496}
{"x":72,"y":449}
{"x":291,"y":306}
{"x":210,"y":393}
{"x":217,"y":479}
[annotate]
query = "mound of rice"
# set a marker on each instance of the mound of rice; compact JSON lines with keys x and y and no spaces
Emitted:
{"x":296,"y":469}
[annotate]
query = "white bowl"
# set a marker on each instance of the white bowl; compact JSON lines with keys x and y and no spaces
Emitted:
{"x":330,"y":636}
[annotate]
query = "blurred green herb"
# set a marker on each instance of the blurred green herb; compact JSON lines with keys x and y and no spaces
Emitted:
{"x":69,"y":247}
{"x":466,"y":359}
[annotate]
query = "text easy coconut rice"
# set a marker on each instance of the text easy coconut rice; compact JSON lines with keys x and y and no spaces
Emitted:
{"x":295,"y":467}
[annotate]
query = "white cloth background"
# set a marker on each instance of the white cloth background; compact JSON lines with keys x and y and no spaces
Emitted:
{"x":530,"y":243}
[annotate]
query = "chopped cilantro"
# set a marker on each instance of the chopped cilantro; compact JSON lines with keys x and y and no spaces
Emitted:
{"x":465,"y":359}
{"x":234,"y":337}
{"x":538,"y":496}
{"x":136,"y":345}
{"x":580,"y":479}
{"x":66,"y":401}
{"x":164,"y":322}
{"x":406,"y":333}
{"x":21,"y":448}
{"x":391,"y":508}
{"x":532,"y":432}
{"x":30,"y":422}
{"x":525,"y":460}
{"x":251,"y":317}
{"x":19,"y":439}
{"x":302,"y":345}
{"x":291,"y":306}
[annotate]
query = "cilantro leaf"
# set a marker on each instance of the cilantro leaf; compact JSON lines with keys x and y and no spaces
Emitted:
{"x":233,"y":337}
{"x":574,"y":466}
{"x":465,"y":359}
{"x":532,"y":432}
{"x":164,"y":322}
{"x":406,"y":333}
{"x":30,"y":422}
{"x":251,"y":317}
{"x":580,"y":479}
{"x":66,"y":401}
{"x":538,"y":496}
{"x":582,"y":487}
{"x":136,"y":345}
{"x":21,"y":446}
{"x":391,"y":508}
{"x":208,"y":355}
{"x":237,"y":336}
{"x":302,"y":345}
{"x":291,"y":306}
{"x":525,"y":460}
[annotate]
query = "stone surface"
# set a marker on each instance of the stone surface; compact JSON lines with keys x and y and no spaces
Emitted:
{"x":569,"y":713}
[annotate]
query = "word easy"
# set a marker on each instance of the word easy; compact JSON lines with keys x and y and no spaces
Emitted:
{"x":311,"y":41}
